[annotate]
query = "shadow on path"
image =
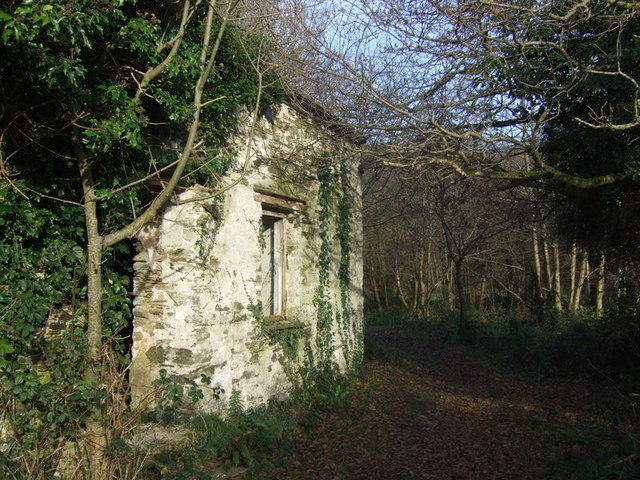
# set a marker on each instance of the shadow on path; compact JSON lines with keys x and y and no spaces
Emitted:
{"x":424,"y":411}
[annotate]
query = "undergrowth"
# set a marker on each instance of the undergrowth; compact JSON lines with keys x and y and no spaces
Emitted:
{"x":252,"y":438}
{"x":605,"y":347}
{"x":248,"y":438}
{"x":588,"y":449}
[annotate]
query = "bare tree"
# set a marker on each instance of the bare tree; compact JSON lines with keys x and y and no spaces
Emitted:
{"x":469,"y":216}
{"x":469,"y":85}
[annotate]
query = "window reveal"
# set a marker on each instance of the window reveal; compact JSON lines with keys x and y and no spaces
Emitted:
{"x":273,"y":262}
{"x":276,"y":213}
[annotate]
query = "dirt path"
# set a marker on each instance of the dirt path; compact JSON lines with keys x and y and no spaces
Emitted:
{"x":424,"y":411}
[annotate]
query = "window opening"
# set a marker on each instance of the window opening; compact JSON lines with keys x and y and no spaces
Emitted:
{"x":273,"y":263}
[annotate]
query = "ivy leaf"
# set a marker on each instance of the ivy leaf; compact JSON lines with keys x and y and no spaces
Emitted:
{"x":5,"y":349}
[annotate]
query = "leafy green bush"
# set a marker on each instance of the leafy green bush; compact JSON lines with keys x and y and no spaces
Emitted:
{"x":320,"y":388}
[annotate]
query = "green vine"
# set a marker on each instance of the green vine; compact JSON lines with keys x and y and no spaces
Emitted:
{"x":351,"y":334}
{"x":345,"y":219}
{"x":288,"y":339}
{"x":322,"y":301}
{"x":335,"y":202}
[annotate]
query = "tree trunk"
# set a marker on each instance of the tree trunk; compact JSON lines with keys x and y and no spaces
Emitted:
{"x":557,"y":290}
{"x":576,"y":293}
{"x":383,"y":287}
{"x":96,"y":432}
{"x":373,"y":275}
{"x":573,"y":260}
{"x":429,"y":281}
{"x":422,"y":286}
{"x":418,"y":281}
{"x":600,"y":284}
{"x":547,"y":262}
{"x":385,"y":293}
{"x":481,"y":294}
{"x":459,"y":284}
{"x":400,"y":290}
{"x":451,"y":287}
{"x":96,"y":435}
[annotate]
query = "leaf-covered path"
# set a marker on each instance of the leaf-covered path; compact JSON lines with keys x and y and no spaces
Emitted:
{"x":425,"y":411}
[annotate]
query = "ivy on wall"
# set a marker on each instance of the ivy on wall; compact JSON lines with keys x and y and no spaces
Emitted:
{"x":209,"y":226}
{"x":335,"y":204}
{"x":322,"y":300}
{"x":351,"y":334}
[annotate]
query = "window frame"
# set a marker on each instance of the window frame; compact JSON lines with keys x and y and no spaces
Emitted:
{"x":274,"y":259}
{"x":284,"y":208}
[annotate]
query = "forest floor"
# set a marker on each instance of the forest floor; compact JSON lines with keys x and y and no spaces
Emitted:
{"x":427,"y":410}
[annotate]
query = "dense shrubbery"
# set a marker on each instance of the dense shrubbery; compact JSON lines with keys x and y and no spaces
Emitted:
{"x":81,"y":126}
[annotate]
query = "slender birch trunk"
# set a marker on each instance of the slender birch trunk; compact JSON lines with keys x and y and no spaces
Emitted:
{"x":600,"y":284}
{"x":480,"y":295}
{"x":557,"y":284}
{"x":459,"y":286}
{"x":428,"y":280}
{"x":400,"y":290}
{"x":425,"y":281}
{"x":419,"y":282}
{"x":547,"y":263}
{"x":573,"y":260}
{"x":375,"y":288}
{"x":576,"y":293}
{"x":539,"y":291}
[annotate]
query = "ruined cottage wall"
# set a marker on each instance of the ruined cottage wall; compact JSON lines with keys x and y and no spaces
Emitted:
{"x":197,"y":311}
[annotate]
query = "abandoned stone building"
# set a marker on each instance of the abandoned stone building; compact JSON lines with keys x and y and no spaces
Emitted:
{"x":261,"y":278}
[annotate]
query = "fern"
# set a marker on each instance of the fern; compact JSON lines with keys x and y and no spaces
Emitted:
{"x":235,"y":408}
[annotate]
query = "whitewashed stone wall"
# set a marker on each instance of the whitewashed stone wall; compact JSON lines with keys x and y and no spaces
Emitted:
{"x":197,"y":310}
